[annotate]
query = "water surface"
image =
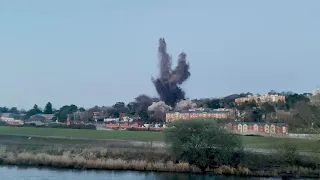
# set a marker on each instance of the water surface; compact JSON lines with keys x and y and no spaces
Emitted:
{"x":14,"y":173}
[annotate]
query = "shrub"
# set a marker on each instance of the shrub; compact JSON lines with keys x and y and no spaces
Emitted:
{"x":203,"y":143}
{"x":288,"y":154}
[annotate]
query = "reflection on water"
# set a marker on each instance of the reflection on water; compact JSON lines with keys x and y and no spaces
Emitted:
{"x":13,"y":173}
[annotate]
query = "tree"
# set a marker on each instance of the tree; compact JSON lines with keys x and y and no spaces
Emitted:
{"x":48,"y":109}
{"x":305,"y":116}
{"x":280,"y":105}
{"x":130,"y":107}
{"x":267,"y":109}
{"x":140,"y":106}
{"x":202,"y":143}
{"x":119,"y":108}
{"x":35,"y":110}
{"x":82,"y":109}
{"x":13,"y":110}
{"x":4,"y":109}
{"x":272,"y":92}
{"x":119,"y":105}
{"x":214,"y":104}
{"x":65,"y":111}
{"x":201,"y":102}
{"x":248,"y":105}
{"x":293,"y":99}
{"x":228,"y":101}
{"x":256,"y":115}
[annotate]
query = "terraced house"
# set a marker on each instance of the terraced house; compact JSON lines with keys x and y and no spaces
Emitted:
{"x":221,"y":113}
{"x":253,"y":128}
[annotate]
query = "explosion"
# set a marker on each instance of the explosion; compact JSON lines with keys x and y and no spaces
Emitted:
{"x":167,"y":84}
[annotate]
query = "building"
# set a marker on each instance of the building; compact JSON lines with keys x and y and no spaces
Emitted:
{"x":6,"y":115}
{"x":41,"y":117}
{"x":220,"y":113}
{"x":48,"y":117}
{"x":96,"y":115}
{"x":11,"y":121}
{"x":264,"y":129}
{"x":5,"y":119}
{"x":8,"y":118}
{"x":315,"y":92}
{"x":261,"y":99}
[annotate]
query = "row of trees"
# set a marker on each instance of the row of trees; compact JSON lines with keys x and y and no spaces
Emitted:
{"x":299,"y":110}
{"x":142,"y":108}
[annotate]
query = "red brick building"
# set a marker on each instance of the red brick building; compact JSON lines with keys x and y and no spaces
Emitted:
{"x":258,"y":128}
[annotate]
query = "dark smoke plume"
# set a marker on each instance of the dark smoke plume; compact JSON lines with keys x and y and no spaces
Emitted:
{"x":167,"y":84}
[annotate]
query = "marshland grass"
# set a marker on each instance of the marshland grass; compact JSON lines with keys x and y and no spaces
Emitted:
{"x":145,"y":160}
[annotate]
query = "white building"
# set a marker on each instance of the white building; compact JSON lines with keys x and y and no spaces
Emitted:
{"x":315,"y":92}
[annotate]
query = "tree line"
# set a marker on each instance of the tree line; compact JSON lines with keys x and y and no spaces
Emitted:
{"x":299,"y":110}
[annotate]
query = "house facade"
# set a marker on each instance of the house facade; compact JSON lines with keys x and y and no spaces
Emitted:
{"x":269,"y":129}
{"x":206,"y":113}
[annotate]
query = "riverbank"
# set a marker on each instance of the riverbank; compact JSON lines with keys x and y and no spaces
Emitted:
{"x":144,"y":159}
{"x":117,"y":154}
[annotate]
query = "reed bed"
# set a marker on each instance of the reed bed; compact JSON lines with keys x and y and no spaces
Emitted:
{"x":116,"y":159}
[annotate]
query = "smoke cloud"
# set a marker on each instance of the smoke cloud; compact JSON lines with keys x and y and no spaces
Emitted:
{"x":167,"y":84}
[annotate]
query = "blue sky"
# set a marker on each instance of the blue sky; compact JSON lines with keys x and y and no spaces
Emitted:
{"x":100,"y":52}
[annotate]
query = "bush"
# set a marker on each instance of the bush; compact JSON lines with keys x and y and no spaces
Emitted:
{"x":288,"y":154}
{"x":203,"y":143}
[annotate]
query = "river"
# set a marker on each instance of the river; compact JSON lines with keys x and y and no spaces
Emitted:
{"x":14,"y":173}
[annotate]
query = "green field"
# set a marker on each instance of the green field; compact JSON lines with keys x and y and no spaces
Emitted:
{"x":305,"y":145}
{"x":82,"y":133}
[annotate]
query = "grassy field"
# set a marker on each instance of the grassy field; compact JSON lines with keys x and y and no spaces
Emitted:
{"x":305,"y":145}
{"x":82,"y":133}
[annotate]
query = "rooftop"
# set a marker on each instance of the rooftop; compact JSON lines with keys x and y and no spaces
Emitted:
{"x":202,"y":110}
